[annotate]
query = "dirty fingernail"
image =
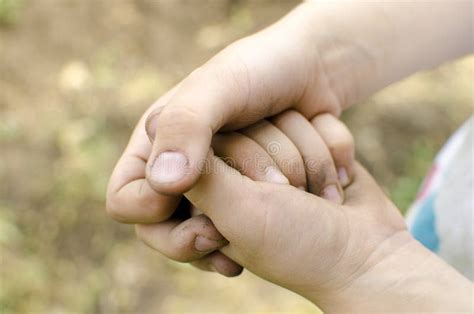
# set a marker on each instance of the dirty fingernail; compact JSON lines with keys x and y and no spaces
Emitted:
{"x":331,"y":193}
{"x":169,"y":167}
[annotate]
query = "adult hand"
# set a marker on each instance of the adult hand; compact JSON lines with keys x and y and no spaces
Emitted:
{"x":352,"y":257}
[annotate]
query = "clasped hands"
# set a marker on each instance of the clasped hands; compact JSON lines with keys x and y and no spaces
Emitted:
{"x":207,"y":180}
{"x":283,"y":198}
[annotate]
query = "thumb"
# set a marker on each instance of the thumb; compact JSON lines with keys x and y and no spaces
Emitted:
{"x":262,"y":221}
{"x":231,"y":200}
{"x":240,"y":86}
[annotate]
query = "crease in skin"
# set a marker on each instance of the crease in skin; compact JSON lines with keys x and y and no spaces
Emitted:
{"x":273,"y":175}
{"x":316,"y":178}
{"x":281,"y":150}
{"x":210,"y":72}
{"x":140,"y":189}
{"x":248,"y":88}
{"x":151,"y":123}
{"x":404,"y":243}
{"x":131,"y":179}
{"x":344,"y":249}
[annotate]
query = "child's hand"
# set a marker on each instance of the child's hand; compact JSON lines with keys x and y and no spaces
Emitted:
{"x":286,"y":149}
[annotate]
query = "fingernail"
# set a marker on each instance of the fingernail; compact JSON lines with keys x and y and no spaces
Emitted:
{"x":343,"y":177}
{"x":274,"y":175}
{"x":331,"y":193}
{"x":151,"y":123}
{"x":204,"y":245}
{"x":169,"y":167}
{"x":302,"y":188}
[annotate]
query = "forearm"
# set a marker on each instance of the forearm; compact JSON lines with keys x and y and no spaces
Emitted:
{"x":409,"y":278}
{"x":364,"y":46}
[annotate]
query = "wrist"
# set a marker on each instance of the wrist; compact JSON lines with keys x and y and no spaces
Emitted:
{"x":364,"y":46}
{"x":400,"y":276}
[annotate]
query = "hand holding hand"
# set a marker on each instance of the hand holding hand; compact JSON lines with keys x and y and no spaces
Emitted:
{"x":287,"y":149}
{"x":355,"y":257}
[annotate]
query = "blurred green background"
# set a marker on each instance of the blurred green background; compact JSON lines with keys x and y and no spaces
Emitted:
{"x":75,"y":75}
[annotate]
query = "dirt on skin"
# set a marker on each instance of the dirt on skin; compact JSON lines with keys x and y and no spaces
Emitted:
{"x":74,"y":78}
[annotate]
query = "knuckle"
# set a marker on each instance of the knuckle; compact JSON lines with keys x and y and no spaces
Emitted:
{"x":180,"y":119}
{"x":178,"y":249}
{"x":183,"y":248}
{"x":232,"y":67}
{"x":174,"y":114}
{"x":155,"y":212}
{"x":342,"y":148}
{"x":319,"y":172}
{"x":159,"y":216}
{"x":294,"y":167}
{"x":318,"y":180}
{"x":289,"y":116}
{"x":112,"y":209}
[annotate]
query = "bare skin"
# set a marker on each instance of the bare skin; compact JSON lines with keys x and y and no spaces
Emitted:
{"x":352,"y":256}
{"x":321,"y":58}
{"x":355,"y":257}
{"x":262,"y":152}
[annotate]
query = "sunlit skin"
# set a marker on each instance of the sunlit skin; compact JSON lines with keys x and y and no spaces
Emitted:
{"x":319,"y":60}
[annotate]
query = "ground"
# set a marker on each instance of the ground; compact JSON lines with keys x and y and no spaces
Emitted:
{"x":74,"y":78}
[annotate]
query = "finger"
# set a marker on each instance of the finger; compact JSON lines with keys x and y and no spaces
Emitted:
{"x":281,"y":149}
{"x":182,"y":241}
{"x":215,"y":261}
{"x":130,"y":198}
{"x":254,"y":216}
{"x":245,"y":155}
{"x":320,"y":169}
{"x":217,"y":95}
{"x":218,"y":262}
{"x":142,"y":207}
{"x":340,"y":142}
{"x":222,"y":194}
